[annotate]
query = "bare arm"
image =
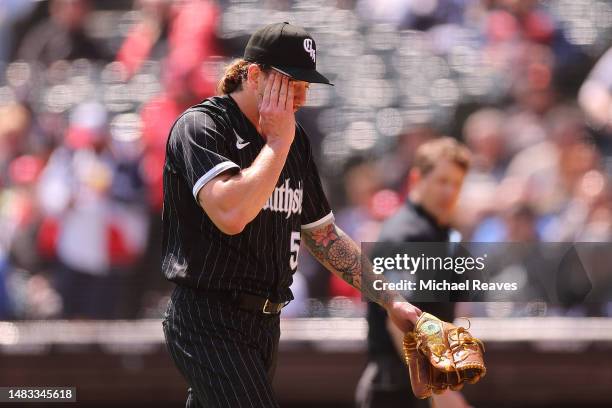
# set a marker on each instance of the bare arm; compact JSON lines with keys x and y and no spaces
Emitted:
{"x":232,"y":201}
{"x":224,"y":198}
{"x":343,"y":257}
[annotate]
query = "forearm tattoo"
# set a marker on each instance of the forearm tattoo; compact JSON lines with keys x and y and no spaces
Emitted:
{"x":343,"y":257}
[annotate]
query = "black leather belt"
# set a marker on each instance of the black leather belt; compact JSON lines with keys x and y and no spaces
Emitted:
{"x":245,"y":301}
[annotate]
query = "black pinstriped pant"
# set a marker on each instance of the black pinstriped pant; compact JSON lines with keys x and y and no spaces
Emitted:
{"x":227,"y":355}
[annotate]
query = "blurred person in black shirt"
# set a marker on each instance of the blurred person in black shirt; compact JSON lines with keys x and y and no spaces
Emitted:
{"x":436,"y":179}
{"x":62,"y":36}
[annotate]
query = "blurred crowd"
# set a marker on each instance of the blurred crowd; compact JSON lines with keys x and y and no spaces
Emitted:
{"x":89,"y":90}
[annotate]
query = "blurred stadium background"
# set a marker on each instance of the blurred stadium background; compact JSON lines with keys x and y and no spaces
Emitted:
{"x":89,"y":90}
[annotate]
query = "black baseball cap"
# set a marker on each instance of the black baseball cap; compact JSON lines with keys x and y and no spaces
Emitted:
{"x":288,"y":49}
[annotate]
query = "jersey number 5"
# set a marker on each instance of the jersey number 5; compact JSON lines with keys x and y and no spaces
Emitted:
{"x":294,"y":247}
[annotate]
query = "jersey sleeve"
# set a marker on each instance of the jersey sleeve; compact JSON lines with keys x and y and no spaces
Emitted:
{"x":197,"y":148}
{"x":315,"y":207}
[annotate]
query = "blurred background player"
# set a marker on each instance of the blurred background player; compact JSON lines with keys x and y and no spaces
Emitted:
{"x":435,"y":182}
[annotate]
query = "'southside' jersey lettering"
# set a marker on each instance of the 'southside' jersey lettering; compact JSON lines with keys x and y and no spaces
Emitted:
{"x":286,"y":199}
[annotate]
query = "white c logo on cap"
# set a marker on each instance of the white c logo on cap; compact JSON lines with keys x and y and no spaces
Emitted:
{"x":309,"y":49}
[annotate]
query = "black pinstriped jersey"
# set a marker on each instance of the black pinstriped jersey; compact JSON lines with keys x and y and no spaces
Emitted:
{"x":206,"y":140}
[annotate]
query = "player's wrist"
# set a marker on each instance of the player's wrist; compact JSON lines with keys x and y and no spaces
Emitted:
{"x":391,"y":300}
{"x":279,"y":145}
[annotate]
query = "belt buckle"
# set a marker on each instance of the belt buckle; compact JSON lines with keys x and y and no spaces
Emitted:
{"x":265,"y":310}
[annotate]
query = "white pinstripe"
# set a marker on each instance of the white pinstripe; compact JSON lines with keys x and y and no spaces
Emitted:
{"x":173,"y":205}
{"x":239,"y":245}
{"x":265,"y":246}
{"x":193,"y":366}
{"x":229,"y":353}
{"x":175,"y":320}
{"x":202,"y":375}
{"x":203,"y":264}
{"x":248,"y":255}
{"x":266,"y":384}
{"x":212,"y":270}
{"x":219,"y":358}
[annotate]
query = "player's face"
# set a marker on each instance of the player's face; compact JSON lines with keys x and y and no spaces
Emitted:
{"x":440,"y":188}
{"x":300,"y":90}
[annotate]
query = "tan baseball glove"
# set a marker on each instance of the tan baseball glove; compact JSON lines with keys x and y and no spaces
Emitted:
{"x":441,"y":355}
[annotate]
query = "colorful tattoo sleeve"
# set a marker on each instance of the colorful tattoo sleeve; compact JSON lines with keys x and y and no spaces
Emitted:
{"x":343,"y":257}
